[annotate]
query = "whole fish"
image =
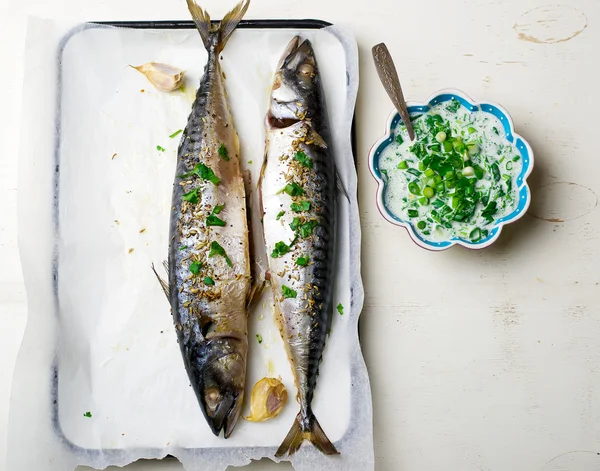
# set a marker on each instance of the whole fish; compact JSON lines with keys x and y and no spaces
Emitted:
{"x":298,"y":189}
{"x":209,"y":263}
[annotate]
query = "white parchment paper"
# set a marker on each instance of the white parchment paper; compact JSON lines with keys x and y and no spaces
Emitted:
{"x":94,"y":208}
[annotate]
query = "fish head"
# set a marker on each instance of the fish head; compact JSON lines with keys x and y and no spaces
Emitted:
{"x":219,"y":384}
{"x":295,"y":90}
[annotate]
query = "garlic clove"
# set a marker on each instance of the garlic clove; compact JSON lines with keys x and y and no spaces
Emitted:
{"x":267,"y":400}
{"x":163,"y":76}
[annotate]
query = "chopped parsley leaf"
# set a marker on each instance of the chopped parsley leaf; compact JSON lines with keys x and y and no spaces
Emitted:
{"x":281,"y":248}
{"x":204,"y":172}
{"x":340,"y":309}
{"x":302,"y":261}
{"x":303,"y":159}
{"x":306,"y":229}
{"x":213,"y":220}
{"x":195,"y":267}
{"x":250,"y":162}
{"x":299,"y":207}
{"x":218,"y":208}
{"x":223,"y":152}
{"x":192,"y":196}
{"x":209,"y":281}
{"x":454,"y":105}
{"x":292,"y":189}
{"x":216,"y":249}
{"x":259,"y":338}
{"x":279,"y":214}
{"x":176,"y":133}
{"x":88,"y":414}
{"x":288,"y":292}
{"x":162,"y":149}
{"x":295,"y":224}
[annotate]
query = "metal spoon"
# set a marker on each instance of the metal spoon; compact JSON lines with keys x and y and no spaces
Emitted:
{"x":389,"y":78}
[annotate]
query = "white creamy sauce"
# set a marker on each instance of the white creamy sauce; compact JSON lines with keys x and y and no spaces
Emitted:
{"x":460,"y":171}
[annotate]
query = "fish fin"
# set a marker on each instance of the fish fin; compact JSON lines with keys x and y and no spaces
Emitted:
{"x":340,"y":186}
{"x":230,"y":22}
{"x":317,"y":139}
{"x":163,"y":284}
{"x":255,"y":292}
{"x":202,"y":20}
{"x":297,"y":435}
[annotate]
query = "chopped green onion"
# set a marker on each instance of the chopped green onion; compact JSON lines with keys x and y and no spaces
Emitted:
{"x":414,"y":171}
{"x":509,"y":165}
{"x":471,"y":130}
{"x":423,"y":201}
{"x":475,"y":235}
{"x":403,"y":165}
{"x":176,"y":133}
{"x":447,"y":146}
{"x":413,"y":213}
{"x":516,"y":158}
{"x":421,"y":225}
{"x":288,"y":292}
{"x":421,"y":166}
{"x":429,"y":172}
{"x":441,"y":136}
{"x":428,"y":192}
{"x":399,"y":139}
{"x":414,"y":188}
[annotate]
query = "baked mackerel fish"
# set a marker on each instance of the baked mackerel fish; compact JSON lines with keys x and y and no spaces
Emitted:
{"x":209,"y":263}
{"x":298,"y":198}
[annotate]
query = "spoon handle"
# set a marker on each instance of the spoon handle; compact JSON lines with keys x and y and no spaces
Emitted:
{"x":389,"y":78}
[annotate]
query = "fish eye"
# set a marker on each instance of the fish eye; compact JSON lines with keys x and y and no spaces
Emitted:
{"x":212,"y":396}
{"x":307,"y":69}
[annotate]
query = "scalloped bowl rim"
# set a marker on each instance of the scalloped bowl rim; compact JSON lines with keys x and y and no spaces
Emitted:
{"x":522,"y":186}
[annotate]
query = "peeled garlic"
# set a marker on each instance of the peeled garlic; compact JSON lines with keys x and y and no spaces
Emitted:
{"x":163,"y":76}
{"x":268,"y":398}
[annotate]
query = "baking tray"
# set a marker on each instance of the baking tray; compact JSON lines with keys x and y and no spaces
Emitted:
{"x":116,"y":454}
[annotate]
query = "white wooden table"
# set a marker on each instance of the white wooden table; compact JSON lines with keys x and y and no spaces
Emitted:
{"x":478,"y":360}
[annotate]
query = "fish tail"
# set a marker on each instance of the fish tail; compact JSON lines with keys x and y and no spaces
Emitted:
{"x":306,"y":429}
{"x":223,"y":30}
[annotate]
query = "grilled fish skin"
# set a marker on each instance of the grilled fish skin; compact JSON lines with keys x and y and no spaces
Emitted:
{"x":298,"y":198}
{"x":209,"y":268}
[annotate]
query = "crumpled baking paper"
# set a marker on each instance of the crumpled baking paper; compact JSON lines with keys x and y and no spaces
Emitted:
{"x":99,"y":379}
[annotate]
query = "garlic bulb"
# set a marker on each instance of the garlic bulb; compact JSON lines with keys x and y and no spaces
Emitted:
{"x":267,"y":400}
{"x":163,"y":76}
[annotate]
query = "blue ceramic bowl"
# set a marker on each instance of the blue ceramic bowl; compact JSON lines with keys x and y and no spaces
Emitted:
{"x":522,"y":146}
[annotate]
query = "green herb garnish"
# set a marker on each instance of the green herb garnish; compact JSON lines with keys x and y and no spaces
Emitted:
{"x":203,"y":172}
{"x":162,"y":149}
{"x":192,"y":196}
{"x":195,"y":267}
{"x":303,"y":159}
{"x":454,"y":105}
{"x":223,"y":152}
{"x":302,"y":261}
{"x":88,"y":414}
{"x":176,"y":133}
{"x":218,"y":208}
{"x":299,"y":207}
{"x":295,"y":224}
{"x":280,"y":249}
{"x":213,"y":220}
{"x":292,"y":189}
{"x":183,"y":247}
{"x":279,"y":214}
{"x":399,"y":139}
{"x":288,"y":292}
{"x":259,"y":338}
{"x":209,"y":281}
{"x":216,"y":249}
{"x":340,"y":308}
{"x":306,"y":229}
